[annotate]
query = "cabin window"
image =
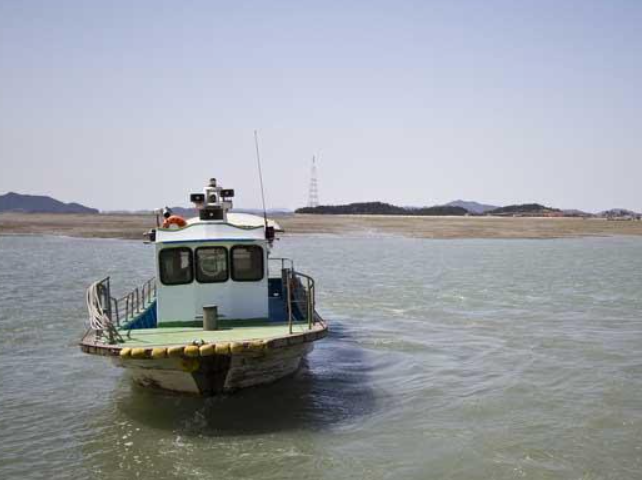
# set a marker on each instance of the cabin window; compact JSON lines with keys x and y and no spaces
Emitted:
{"x":211,"y":264}
{"x":247,"y":263}
{"x":176,"y":266}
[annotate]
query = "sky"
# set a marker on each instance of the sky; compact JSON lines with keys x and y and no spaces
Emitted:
{"x":134,"y":105}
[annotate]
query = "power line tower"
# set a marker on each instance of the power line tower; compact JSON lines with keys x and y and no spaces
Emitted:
{"x":313,"y":193}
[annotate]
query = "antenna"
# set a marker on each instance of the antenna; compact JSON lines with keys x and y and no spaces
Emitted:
{"x":258,"y":162}
{"x":313,"y":193}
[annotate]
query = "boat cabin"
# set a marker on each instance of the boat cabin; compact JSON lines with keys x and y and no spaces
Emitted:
{"x":216,"y":259}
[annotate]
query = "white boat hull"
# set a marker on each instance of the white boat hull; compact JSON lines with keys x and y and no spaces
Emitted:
{"x":216,"y":374}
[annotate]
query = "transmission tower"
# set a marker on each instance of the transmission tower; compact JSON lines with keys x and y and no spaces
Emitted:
{"x":313,"y":193}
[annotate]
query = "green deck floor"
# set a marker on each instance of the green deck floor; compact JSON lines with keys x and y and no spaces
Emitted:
{"x":163,"y":337}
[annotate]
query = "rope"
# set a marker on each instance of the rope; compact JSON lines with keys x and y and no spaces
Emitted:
{"x":99,"y":321}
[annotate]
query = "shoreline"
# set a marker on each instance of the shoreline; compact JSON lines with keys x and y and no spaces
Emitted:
{"x":133,"y":226}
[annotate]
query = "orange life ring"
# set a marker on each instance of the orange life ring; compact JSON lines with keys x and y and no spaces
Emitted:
{"x":174,"y":220}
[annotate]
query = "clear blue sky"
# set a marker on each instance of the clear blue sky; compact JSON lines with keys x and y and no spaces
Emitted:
{"x":127,"y":105}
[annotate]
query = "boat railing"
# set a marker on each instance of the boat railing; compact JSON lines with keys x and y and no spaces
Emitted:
{"x":135,"y":302}
{"x":107,"y":313}
{"x":300,"y":294}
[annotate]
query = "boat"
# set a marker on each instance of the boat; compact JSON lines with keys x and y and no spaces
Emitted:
{"x":221,"y":314}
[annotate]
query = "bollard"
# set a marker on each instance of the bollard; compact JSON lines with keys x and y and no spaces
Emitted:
{"x":210,"y":317}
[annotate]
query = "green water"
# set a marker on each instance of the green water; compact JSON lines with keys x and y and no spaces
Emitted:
{"x":454,"y":359}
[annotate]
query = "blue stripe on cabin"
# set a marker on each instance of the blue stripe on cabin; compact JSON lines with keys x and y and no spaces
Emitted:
{"x":276,"y":303}
{"x":147,"y":319}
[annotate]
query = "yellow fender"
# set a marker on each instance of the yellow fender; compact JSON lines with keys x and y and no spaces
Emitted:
{"x":207,"y":350}
{"x":236,"y":347}
{"x":222,"y":348}
{"x":159,"y":352}
{"x":174,"y":352}
{"x":138,"y":353}
{"x":191,"y":351}
{"x":125,"y":352}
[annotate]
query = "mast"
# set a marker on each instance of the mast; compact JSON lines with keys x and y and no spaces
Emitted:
{"x":313,"y":192}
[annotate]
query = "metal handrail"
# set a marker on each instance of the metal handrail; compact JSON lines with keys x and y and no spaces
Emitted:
{"x":107,"y":312}
{"x":288,"y":277}
{"x":310,"y":297}
{"x":299,"y":293}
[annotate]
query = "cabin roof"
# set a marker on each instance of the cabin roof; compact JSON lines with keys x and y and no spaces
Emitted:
{"x":245,"y":220}
{"x":197,"y":230}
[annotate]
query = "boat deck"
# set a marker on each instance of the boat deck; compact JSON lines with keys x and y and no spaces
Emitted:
{"x":168,"y":336}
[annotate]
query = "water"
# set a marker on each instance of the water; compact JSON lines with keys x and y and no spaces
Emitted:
{"x":453,"y":359}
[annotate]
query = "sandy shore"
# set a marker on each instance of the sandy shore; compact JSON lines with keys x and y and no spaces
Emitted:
{"x":461,"y":227}
{"x":133,"y":226}
{"x":77,"y":225}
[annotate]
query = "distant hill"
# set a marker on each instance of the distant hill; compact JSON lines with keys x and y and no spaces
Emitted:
{"x":361,"y":208}
{"x":438,"y":210}
{"x":15,"y":202}
{"x":380,"y":208}
{"x":577,"y":213}
{"x":619,"y":213}
{"x":526,"y":209}
{"x":472,"y":207}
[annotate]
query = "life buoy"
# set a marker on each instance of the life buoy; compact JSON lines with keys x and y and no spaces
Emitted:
{"x":174,"y":220}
